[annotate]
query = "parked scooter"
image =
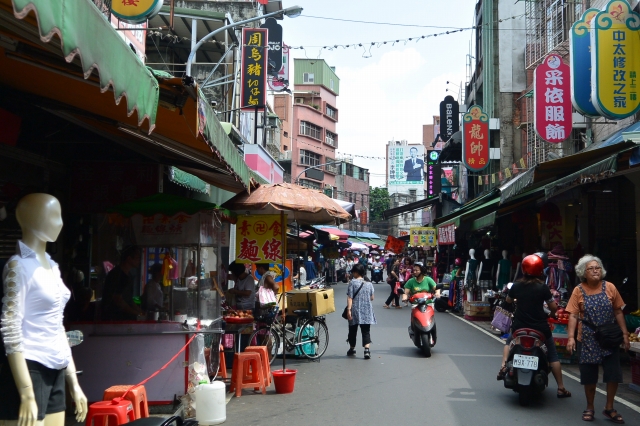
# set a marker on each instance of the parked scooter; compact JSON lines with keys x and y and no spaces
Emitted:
{"x":376,"y":274}
{"x":422,"y":330}
{"x":527,"y":365}
{"x":341,"y":275}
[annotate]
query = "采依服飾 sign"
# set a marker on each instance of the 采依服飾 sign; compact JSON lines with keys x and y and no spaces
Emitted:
{"x":447,"y":235}
{"x":475,"y":139}
{"x":135,"y":11}
{"x":580,"y":63}
{"x":552,"y":100}
{"x":449,"y":118}
{"x":254,"y":68}
{"x":433,"y":174}
{"x":615,"y":62}
{"x":259,"y":239}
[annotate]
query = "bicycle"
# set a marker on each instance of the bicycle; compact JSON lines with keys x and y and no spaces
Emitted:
{"x":307,"y":335}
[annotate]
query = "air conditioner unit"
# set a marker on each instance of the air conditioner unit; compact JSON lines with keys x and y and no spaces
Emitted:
{"x":299,"y":100}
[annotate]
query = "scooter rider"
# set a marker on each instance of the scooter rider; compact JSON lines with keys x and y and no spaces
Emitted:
{"x":419,"y":282}
{"x":531,"y":292}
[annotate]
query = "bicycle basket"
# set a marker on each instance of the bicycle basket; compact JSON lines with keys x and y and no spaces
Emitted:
{"x":266,"y":315}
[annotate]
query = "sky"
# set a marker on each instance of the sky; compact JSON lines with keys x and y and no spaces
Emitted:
{"x":386,"y":93}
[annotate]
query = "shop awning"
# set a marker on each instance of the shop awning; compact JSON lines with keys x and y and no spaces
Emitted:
{"x":600,"y":170}
{"x":614,"y":139}
{"x":85,"y":32}
{"x":472,"y":208}
{"x":516,"y":185}
{"x":167,"y":204}
{"x":484,"y":221}
{"x":188,"y":180}
{"x":342,"y":236}
{"x":416,"y":205}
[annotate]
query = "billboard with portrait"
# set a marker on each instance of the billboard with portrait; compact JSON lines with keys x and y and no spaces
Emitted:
{"x":405,"y":165}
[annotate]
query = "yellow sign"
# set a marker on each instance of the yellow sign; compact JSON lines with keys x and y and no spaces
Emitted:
{"x":259,"y":239}
{"x":423,"y":237}
{"x":615,"y":69}
{"x":135,"y":11}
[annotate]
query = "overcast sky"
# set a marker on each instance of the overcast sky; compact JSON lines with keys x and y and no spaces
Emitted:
{"x":390,"y":95}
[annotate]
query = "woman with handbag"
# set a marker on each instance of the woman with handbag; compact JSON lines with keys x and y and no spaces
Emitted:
{"x":394,"y":282}
{"x":597,"y":304}
{"x":406,"y":272}
{"x":360,"y":310}
{"x":530,"y":294}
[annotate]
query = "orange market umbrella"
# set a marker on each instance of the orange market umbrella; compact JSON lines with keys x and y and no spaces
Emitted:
{"x":305,"y":206}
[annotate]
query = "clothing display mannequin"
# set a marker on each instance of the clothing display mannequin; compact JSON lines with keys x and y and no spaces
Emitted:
{"x":487,"y":269}
{"x":35,"y":341}
{"x":503,"y":272}
{"x":518,"y":273}
{"x":471,"y":273}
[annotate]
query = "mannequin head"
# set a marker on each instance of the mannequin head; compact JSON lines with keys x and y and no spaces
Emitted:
{"x":40,"y":217}
{"x":486,"y":254}
{"x":504,"y":254}
{"x":472,"y":253}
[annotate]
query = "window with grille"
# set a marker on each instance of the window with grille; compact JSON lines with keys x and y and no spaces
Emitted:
{"x":310,"y":130}
{"x":331,"y":168}
{"x":412,"y":195}
{"x":309,"y":158}
{"x":332,"y":112}
{"x":331,"y":138}
{"x":308,"y":77}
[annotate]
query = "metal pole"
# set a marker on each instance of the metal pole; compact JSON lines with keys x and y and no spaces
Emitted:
{"x":284,"y":298}
{"x":255,"y":127}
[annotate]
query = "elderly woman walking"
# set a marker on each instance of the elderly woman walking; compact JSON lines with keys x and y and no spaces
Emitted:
{"x":360,"y":310}
{"x":596,"y":302}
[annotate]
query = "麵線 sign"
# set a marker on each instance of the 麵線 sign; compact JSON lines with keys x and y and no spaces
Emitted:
{"x":259,"y":239}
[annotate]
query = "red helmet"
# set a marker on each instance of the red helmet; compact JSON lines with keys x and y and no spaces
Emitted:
{"x":457,"y":262}
{"x":532,"y":265}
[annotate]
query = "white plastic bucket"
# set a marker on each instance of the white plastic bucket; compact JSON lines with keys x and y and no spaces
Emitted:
{"x":211,"y":407}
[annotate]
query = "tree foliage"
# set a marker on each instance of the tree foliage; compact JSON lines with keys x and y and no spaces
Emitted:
{"x":379,"y":201}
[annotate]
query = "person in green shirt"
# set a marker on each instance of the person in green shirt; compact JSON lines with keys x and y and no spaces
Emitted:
{"x":419,"y":282}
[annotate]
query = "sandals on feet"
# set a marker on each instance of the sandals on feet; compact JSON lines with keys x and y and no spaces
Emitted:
{"x":614,"y":416}
{"x":563,"y":393}
{"x":385,"y":306}
{"x":588,"y":415}
{"x":398,"y":307}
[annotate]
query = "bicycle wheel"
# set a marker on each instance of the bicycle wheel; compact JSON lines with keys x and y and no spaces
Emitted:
{"x":313,"y":338}
{"x":268,"y":337}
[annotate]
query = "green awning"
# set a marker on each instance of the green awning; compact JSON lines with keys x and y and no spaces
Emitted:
{"x":593,"y":173}
{"x":85,"y":32}
{"x":166,"y":204}
{"x":484,"y":221}
{"x":188,"y":180}
{"x":479,"y":203}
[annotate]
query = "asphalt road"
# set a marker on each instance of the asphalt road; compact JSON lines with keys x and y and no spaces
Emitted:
{"x":456,"y":386}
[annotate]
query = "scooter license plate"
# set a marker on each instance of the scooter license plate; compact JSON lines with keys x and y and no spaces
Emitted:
{"x":525,"y":361}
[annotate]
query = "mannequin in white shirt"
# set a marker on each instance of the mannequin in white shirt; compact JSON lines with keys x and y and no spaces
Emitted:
{"x":40,"y":218}
{"x":473,"y":274}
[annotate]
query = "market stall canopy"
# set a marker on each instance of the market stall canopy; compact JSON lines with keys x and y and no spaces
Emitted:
{"x":341,"y":236}
{"x":347,"y":206}
{"x":304,"y":205}
{"x":168,"y":205}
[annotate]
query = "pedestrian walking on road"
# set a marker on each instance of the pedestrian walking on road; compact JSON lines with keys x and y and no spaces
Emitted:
{"x":406,"y":272}
{"x":393,"y":279}
{"x":360,"y":310}
{"x":596,"y":302}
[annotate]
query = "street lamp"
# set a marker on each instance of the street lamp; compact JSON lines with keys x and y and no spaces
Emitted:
{"x":315,"y":167}
{"x":292,"y":12}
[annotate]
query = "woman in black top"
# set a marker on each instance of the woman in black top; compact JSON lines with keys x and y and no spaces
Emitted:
{"x":531,"y":292}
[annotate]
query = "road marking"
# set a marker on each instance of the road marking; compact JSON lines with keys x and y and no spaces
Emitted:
{"x":631,"y":405}
{"x":229,"y":396}
{"x":479,"y":355}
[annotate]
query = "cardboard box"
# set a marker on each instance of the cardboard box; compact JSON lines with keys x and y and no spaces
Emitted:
{"x":319,"y":302}
{"x":477,"y":309}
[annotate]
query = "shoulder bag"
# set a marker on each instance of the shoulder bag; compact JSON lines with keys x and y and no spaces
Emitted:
{"x":345,"y":313}
{"x":608,"y":336}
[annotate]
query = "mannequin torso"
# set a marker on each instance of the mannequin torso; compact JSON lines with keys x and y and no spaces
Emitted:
{"x":503,"y":274}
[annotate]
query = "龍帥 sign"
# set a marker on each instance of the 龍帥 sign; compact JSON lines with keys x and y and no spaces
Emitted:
{"x":475,"y":139}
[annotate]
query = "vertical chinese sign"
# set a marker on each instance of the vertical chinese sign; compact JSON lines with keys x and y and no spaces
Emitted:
{"x":259,"y":239}
{"x":447,"y":235}
{"x":254,"y":68}
{"x":475,"y":139}
{"x":553,"y":117}
{"x":580,"y":63}
{"x":433,"y":174}
{"x":615,"y":62}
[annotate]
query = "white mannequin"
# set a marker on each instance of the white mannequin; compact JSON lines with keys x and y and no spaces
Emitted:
{"x":40,"y":218}
{"x":472,"y":255}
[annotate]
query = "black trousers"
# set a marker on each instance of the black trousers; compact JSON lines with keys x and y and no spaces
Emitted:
{"x":393,"y":295}
{"x":353,"y":332}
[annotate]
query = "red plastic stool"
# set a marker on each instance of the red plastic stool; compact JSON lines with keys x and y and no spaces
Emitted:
{"x":247,"y":373}
{"x":222,"y":369}
{"x":264,"y":356}
{"x":119,"y":409}
{"x":137,"y":396}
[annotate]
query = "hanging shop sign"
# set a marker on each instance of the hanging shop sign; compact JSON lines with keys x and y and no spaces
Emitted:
{"x":394,"y":245}
{"x":447,"y":234}
{"x":254,"y":68}
{"x":275,"y":45}
{"x":553,"y":118}
{"x":580,"y":64}
{"x":423,"y":237}
{"x":475,"y":139}
{"x":449,"y":118}
{"x":277,"y":269}
{"x":281,"y":81}
{"x":135,"y":11}
{"x":259,"y":239}
{"x":615,"y":63}
{"x":180,"y":229}
{"x":433,"y":174}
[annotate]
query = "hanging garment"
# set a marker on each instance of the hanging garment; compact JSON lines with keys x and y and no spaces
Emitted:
{"x":166,"y":271}
{"x":471,"y":280}
{"x":505,"y":273}
{"x":174,"y":274}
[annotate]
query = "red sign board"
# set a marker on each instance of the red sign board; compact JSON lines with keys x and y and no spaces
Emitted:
{"x":394,"y":245}
{"x":254,"y":68}
{"x":447,"y":235}
{"x":475,"y":139}
{"x":553,"y":117}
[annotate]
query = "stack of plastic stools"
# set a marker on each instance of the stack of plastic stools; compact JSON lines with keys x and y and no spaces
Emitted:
{"x":119,"y":409}
{"x":222,"y":369}
{"x":137,"y":396}
{"x":264,"y":356}
{"x":247,"y":373}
